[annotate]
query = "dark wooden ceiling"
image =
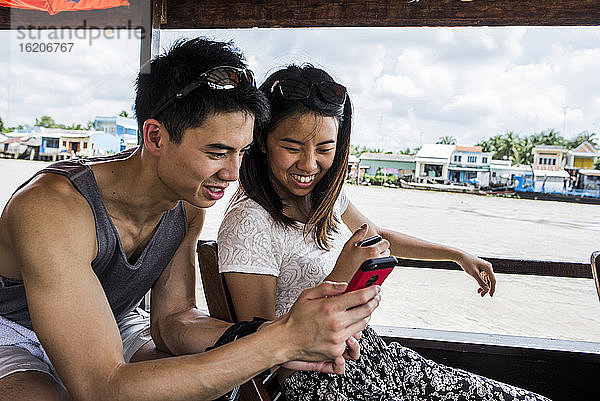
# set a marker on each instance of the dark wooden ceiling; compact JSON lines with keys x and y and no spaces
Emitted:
{"x":190,"y":14}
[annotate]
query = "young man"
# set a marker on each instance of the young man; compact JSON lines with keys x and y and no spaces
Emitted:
{"x":82,"y":242}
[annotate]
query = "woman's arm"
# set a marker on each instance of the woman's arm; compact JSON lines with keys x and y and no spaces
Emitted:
{"x":250,"y":266}
{"x":406,"y":246}
{"x":253,"y":295}
{"x":247,"y":259}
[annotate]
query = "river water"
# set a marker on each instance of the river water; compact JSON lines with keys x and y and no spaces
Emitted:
{"x":551,"y":307}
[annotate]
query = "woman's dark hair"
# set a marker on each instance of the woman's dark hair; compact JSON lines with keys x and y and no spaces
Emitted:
{"x":165,"y":75}
{"x":255,"y":181}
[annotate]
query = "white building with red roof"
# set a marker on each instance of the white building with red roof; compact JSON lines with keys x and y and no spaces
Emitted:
{"x":471,"y":165}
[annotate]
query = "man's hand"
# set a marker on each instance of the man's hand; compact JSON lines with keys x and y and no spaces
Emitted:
{"x":321,"y":322}
{"x":335,"y":366}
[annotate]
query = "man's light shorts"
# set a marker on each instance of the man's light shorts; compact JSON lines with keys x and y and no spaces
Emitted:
{"x":135,"y":332}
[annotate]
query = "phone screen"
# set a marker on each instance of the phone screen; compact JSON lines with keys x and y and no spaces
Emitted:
{"x":372,"y":272}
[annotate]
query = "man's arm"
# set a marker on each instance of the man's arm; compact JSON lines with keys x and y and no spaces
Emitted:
{"x":177,"y":325}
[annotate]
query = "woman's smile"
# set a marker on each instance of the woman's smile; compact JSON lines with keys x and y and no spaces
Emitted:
{"x":303,"y":180}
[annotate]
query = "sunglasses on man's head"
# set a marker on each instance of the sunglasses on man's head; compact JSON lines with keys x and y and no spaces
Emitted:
{"x":299,"y":89}
{"x":219,"y":78}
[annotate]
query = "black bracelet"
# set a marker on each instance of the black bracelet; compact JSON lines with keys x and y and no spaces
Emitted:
{"x":238,"y":330}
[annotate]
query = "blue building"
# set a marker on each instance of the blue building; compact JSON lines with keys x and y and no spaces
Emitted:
{"x":469,"y":164}
{"x":117,"y":134}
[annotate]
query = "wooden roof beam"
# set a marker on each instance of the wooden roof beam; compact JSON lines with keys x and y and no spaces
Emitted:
{"x":372,"y":13}
{"x":191,"y":14}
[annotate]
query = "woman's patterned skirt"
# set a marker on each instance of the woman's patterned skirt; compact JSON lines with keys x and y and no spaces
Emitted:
{"x":393,"y":373}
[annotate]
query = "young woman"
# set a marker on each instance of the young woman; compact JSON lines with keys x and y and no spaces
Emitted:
{"x":290,"y":227}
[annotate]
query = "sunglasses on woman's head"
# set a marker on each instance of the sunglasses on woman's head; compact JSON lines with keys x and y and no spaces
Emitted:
{"x":219,"y":78}
{"x":299,"y":89}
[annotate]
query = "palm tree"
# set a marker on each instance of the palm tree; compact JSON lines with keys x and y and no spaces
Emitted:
{"x":549,"y":137}
{"x":446,"y":140}
{"x":359,"y":150}
{"x":73,"y":127}
{"x":582,"y":137}
{"x":506,"y":146}
{"x":526,"y":146}
{"x":492,"y":144}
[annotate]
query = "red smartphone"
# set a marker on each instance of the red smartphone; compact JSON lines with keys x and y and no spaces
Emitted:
{"x":372,"y":272}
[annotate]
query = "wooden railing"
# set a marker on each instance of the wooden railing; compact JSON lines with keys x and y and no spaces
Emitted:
{"x":514,"y":266}
{"x":559,"y":369}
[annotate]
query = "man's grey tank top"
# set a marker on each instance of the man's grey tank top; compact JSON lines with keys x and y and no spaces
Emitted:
{"x":124,"y":284}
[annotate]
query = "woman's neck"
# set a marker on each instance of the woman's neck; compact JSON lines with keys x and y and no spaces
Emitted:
{"x":297,"y":208}
{"x":294,"y":207}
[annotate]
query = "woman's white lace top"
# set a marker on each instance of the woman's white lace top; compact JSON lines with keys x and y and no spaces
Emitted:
{"x":251,"y":242}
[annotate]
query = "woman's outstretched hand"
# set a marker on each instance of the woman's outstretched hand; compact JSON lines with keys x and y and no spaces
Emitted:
{"x":482,"y":271}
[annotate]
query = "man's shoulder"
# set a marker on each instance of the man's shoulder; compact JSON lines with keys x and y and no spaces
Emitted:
{"x":50,"y":195}
{"x":47,"y":185}
{"x":48,"y":219}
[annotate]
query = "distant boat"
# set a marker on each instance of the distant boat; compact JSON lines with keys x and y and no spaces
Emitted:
{"x":525,"y":190}
{"x":466,"y":189}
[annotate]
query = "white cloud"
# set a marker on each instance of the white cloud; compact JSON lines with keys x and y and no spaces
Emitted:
{"x":71,"y":86}
{"x":397,"y":85}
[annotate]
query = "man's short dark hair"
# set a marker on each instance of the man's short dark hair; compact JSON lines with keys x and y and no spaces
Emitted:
{"x":168,"y":73}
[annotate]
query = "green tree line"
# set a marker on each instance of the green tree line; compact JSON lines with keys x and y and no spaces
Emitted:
{"x":359,"y":150}
{"x":520,"y":149}
{"x":48,"y":122}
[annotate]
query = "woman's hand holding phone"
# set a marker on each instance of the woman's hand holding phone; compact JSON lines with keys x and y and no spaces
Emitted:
{"x":353,"y":255}
{"x":372,"y":272}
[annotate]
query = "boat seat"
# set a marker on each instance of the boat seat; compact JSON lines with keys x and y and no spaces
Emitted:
{"x":595,"y":262}
{"x":220,"y":306}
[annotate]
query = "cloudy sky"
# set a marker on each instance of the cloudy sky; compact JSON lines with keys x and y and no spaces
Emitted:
{"x":408,"y":85}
